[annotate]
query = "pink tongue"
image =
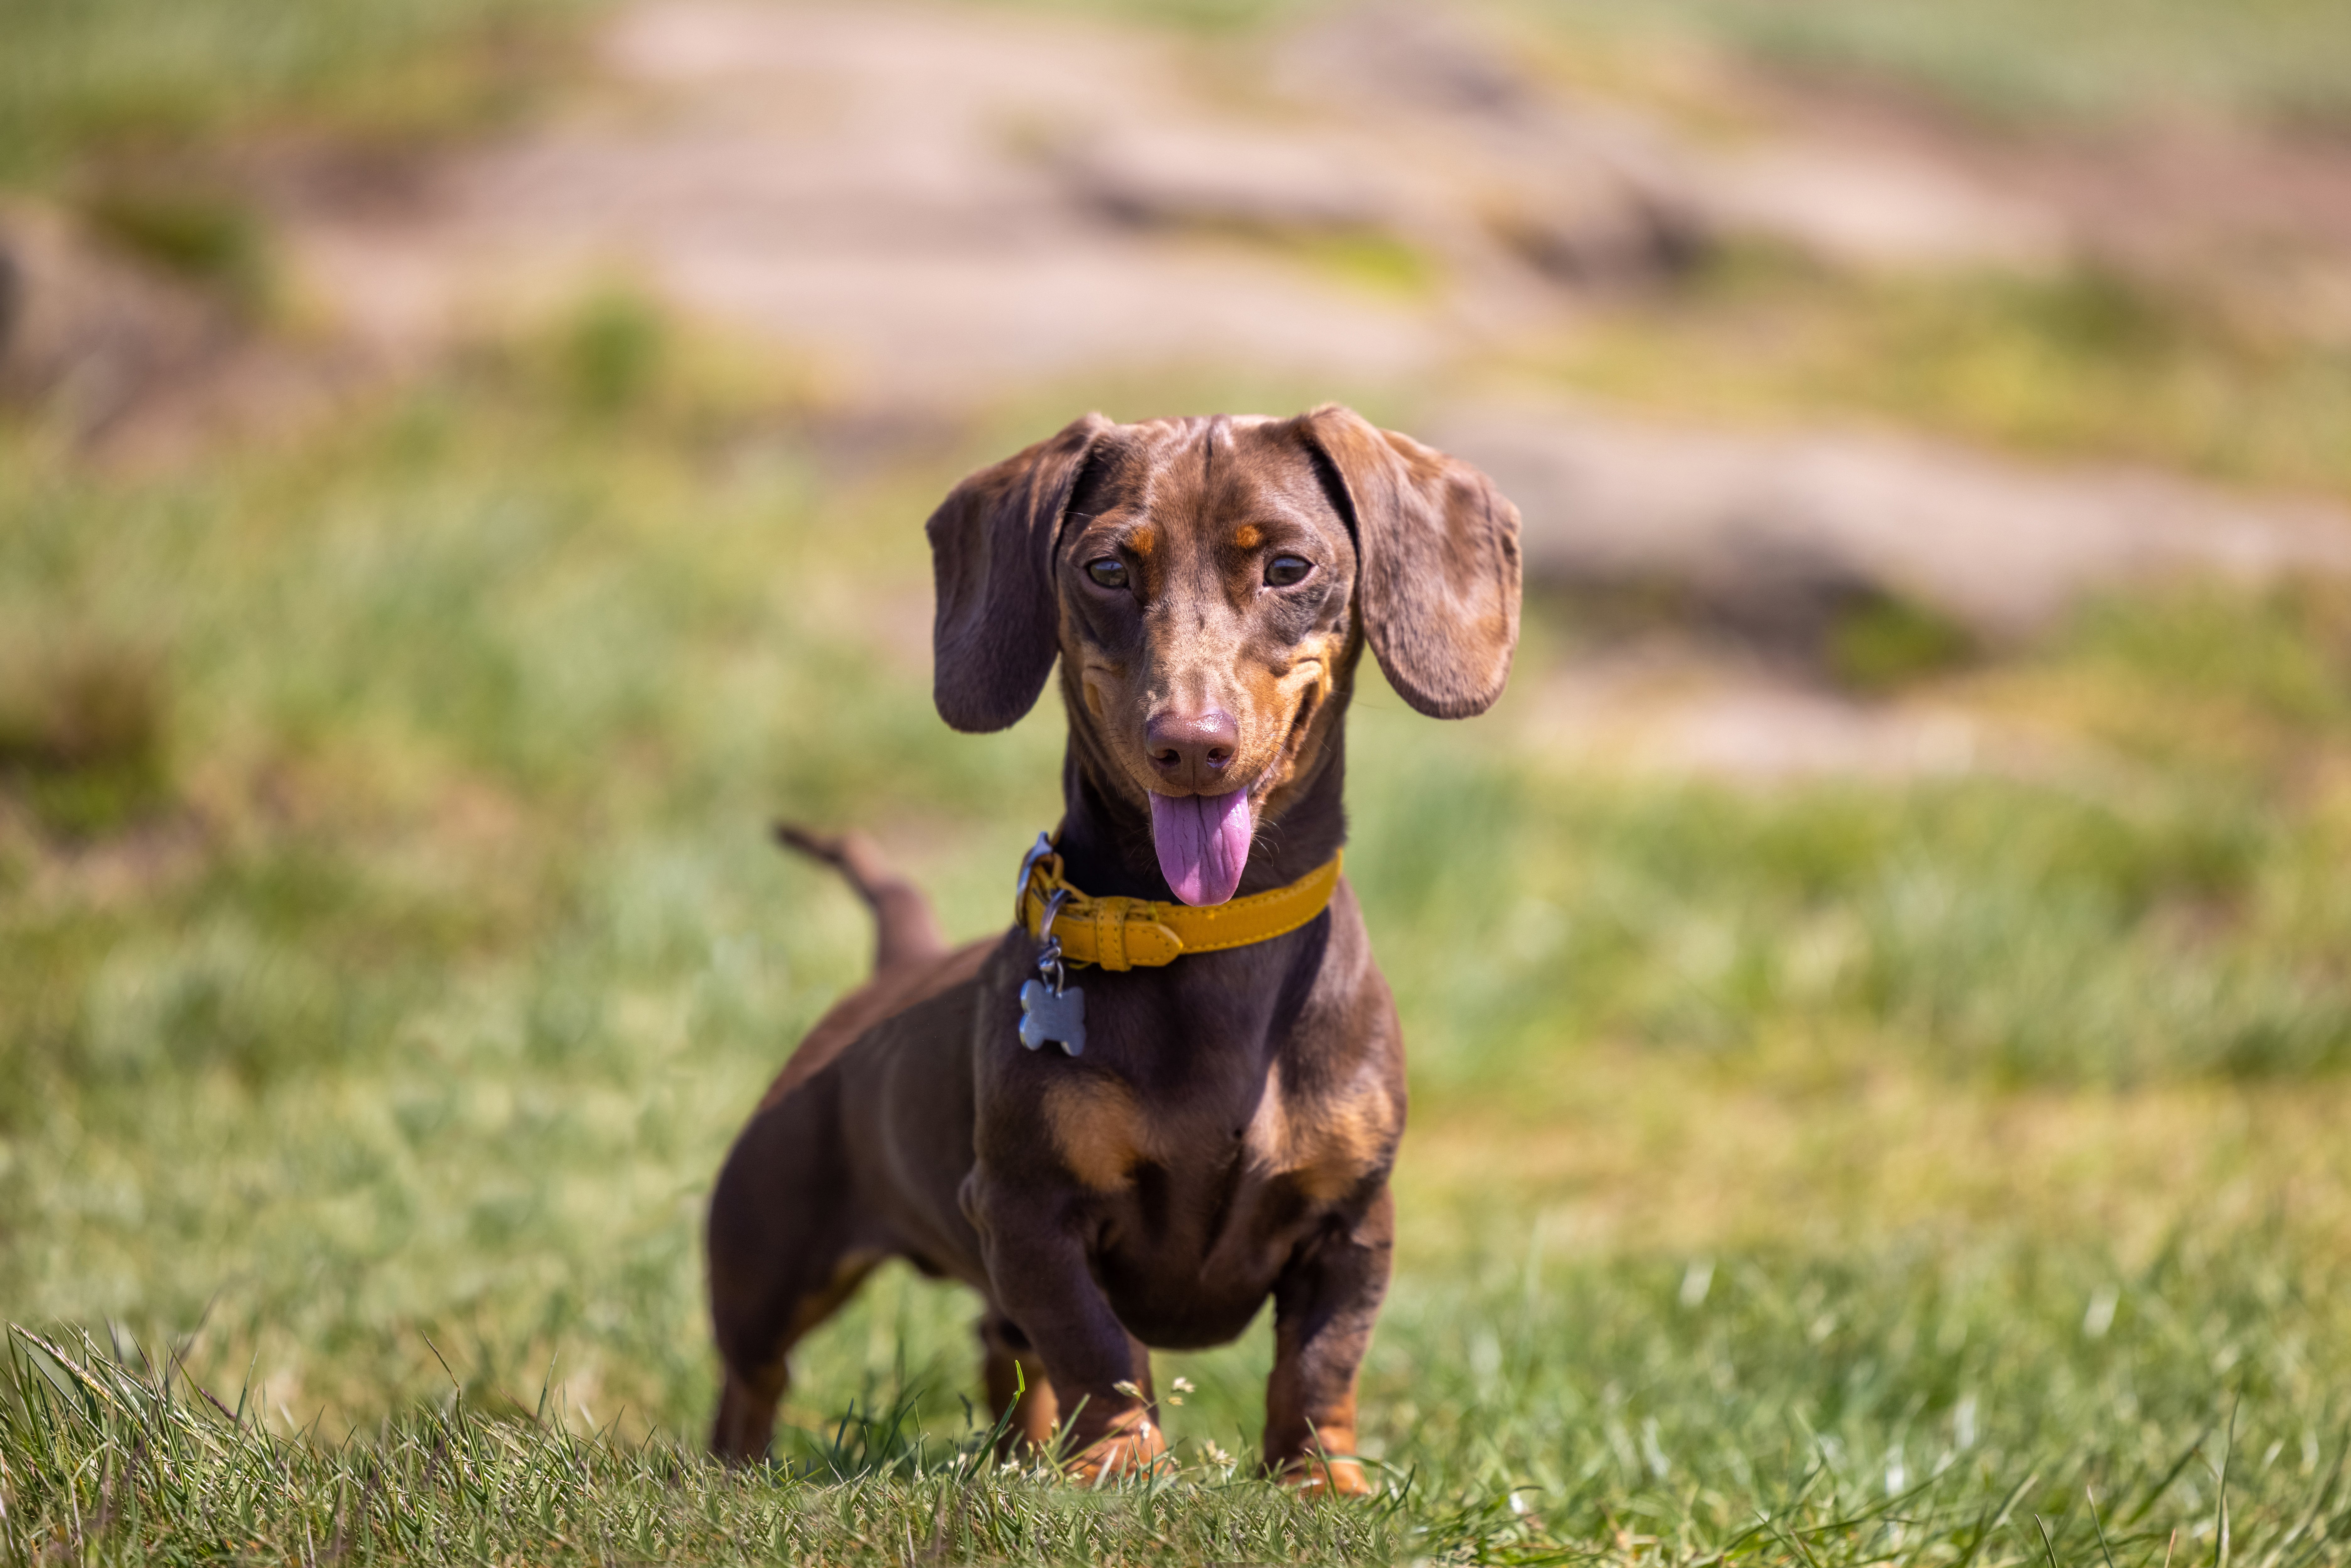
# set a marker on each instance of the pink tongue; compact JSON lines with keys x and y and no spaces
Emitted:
{"x":1203,"y":843}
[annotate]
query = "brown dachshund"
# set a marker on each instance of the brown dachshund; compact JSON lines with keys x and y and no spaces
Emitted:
{"x":1222,"y":1128}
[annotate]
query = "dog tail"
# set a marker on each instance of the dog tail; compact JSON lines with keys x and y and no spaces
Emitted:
{"x":904,"y":929}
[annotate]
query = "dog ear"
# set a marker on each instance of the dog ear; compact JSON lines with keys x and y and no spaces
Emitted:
{"x":998,"y":623}
{"x":1438,"y":547}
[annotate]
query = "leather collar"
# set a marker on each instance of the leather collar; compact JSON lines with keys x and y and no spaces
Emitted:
{"x":1120,"y":932}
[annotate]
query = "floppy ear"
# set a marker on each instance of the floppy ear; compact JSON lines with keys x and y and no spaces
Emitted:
{"x":1439,"y":553}
{"x":998,"y":623}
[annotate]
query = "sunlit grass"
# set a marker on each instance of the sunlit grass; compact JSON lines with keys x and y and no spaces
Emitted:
{"x":1750,"y":1406}
{"x":1767,"y":1148}
{"x":120,"y":78}
{"x":1945,"y":1172}
{"x":113,"y":77}
{"x":2081,"y":59}
{"x":2087,"y":364}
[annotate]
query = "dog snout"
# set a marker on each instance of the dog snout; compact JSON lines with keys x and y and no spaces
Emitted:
{"x":1191,"y":749}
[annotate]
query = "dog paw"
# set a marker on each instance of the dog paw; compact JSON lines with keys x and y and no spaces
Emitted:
{"x":1133,"y":1446}
{"x":1340,"y":1476}
{"x":1328,"y":1465}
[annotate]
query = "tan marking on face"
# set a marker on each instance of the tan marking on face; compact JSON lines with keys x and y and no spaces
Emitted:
{"x":1329,"y":1145}
{"x":1314,"y":679}
{"x":1097,"y":1129}
{"x":1210,"y":637}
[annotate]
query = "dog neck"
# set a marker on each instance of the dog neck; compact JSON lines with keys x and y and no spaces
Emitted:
{"x":1105,"y":839}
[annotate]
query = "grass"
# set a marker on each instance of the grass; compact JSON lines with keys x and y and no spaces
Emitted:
{"x":2074,"y":61}
{"x":2280,"y":60}
{"x":1828,"y":1174}
{"x":1753,"y":1408}
{"x":2087,"y":363}
{"x":1945,"y":1172}
{"x":85,"y":81}
{"x":103,"y":78}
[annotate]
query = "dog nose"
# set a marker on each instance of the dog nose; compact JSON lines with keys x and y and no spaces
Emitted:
{"x":1191,"y":748}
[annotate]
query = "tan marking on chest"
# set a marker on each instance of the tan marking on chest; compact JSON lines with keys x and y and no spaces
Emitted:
{"x":1097,"y":1129}
{"x":1326,"y":1146}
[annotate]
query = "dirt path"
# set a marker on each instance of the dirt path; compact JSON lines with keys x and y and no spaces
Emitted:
{"x":929,"y":209}
{"x":932,"y":202}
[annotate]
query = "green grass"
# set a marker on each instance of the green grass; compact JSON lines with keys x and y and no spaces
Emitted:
{"x":2082,"y":364}
{"x":1752,"y":1409}
{"x":1772,"y":1152}
{"x":2077,"y":60}
{"x":1945,"y":1172}
{"x":105,"y":78}
{"x":120,"y":78}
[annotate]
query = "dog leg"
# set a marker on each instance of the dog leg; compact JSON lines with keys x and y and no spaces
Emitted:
{"x":754,"y":1350}
{"x":1323,"y":1308}
{"x":904,"y":929}
{"x":746,"y":1413}
{"x":1017,"y":1383}
{"x":786,"y":1249}
{"x":1100,"y":1375}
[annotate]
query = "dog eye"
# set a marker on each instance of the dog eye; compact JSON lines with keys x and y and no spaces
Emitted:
{"x":1109,"y":571}
{"x":1284,"y":570}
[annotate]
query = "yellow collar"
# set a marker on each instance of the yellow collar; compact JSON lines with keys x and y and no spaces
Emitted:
{"x":1120,"y":932}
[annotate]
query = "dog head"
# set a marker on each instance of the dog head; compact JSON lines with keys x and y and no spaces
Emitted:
{"x":1207,"y":585}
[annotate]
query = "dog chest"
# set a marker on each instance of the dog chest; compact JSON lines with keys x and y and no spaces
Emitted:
{"x":1323,"y":1145}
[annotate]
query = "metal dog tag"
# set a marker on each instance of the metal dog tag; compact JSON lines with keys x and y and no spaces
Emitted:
{"x":1057,"y":1016}
{"x":1049,"y":1007}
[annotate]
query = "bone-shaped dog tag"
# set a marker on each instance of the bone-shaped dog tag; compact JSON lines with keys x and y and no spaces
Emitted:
{"x":1047,"y":1014}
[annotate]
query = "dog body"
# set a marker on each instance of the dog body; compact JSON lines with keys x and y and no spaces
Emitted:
{"x":1207,"y":587}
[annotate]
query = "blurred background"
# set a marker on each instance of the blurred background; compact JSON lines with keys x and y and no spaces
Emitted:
{"x":1876,"y":986}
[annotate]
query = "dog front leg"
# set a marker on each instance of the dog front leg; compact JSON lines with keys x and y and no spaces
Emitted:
{"x":1323,"y":1308}
{"x":1100,"y":1374}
